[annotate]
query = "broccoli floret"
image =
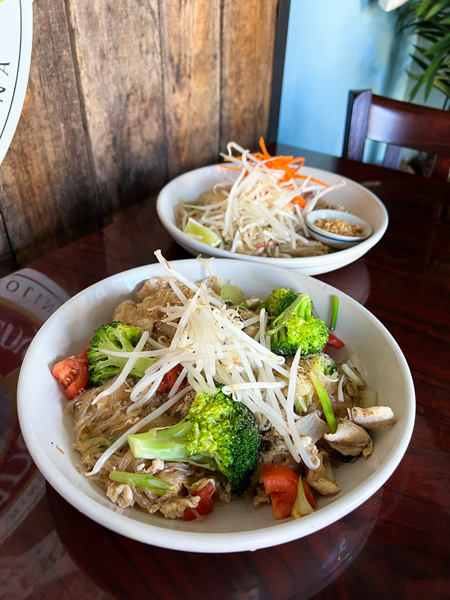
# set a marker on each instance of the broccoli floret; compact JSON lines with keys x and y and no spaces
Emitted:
{"x":278,"y":302}
{"x":218,"y":434}
{"x":295,"y":327}
{"x":324,"y":364}
{"x":115,"y":337}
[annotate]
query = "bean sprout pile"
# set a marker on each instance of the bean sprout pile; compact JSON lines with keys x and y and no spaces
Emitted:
{"x":262,"y":211}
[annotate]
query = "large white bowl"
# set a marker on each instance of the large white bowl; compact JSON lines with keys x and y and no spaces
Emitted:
{"x":354,"y":197}
{"x":231,"y":528}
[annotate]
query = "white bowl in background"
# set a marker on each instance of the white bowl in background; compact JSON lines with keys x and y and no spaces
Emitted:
{"x":47,"y":430}
{"x":334,"y":240}
{"x":355,"y":198}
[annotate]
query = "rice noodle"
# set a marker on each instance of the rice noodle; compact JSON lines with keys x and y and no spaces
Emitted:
{"x":205,"y":340}
{"x":136,"y":427}
{"x":257,"y":215}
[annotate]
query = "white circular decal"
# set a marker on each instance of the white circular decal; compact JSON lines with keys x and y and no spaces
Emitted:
{"x":16,"y":32}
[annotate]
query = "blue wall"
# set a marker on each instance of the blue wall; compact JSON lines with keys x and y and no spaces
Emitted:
{"x":333,"y":47}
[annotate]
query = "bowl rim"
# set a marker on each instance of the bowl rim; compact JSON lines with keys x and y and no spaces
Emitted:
{"x":178,"y":235}
{"x":314,"y":214}
{"x":205,"y":542}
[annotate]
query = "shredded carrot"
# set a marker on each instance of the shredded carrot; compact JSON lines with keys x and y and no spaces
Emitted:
{"x":230,"y":168}
{"x":288,"y":164}
{"x":299,"y":200}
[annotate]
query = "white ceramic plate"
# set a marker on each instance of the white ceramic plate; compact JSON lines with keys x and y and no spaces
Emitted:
{"x":354,"y":197}
{"x":231,"y":528}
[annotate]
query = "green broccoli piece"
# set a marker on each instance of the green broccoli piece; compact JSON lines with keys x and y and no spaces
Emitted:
{"x":218,"y":434}
{"x":115,"y":337}
{"x":324,"y":364}
{"x":295,"y":327}
{"x":277,"y":302}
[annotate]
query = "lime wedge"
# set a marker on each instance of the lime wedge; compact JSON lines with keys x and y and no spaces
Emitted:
{"x":202,"y":234}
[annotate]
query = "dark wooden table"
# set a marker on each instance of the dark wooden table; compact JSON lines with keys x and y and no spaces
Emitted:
{"x":396,"y":545}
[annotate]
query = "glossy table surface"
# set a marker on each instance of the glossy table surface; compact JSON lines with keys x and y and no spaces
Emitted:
{"x":396,"y":544}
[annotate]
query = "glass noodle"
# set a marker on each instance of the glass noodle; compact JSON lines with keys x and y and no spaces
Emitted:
{"x":261,"y":211}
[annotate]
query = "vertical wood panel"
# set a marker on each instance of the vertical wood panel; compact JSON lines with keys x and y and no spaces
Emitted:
{"x":46,"y":194}
{"x":118,"y":52}
{"x":191,"y":67}
{"x":123,"y":96}
{"x":248,"y":35}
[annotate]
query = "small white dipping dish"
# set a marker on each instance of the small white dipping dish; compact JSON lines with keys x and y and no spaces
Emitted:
{"x":333,"y":239}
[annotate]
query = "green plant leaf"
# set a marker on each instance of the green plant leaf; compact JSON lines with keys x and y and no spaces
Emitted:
{"x":442,"y":87}
{"x":413,"y":75}
{"x":436,"y":8}
{"x":430,"y":74}
{"x":442,"y":46}
{"x":422,"y":64}
{"x":415,"y":89}
{"x":429,"y":20}
{"x":424,"y":6}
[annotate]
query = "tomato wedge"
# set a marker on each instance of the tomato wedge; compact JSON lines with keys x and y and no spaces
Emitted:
{"x":205,"y":506}
{"x":333,"y":341}
{"x":72,"y":373}
{"x":169,"y":380}
{"x":281,"y":483}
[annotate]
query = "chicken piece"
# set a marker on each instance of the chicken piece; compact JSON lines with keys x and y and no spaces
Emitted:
{"x":374,"y":417}
{"x":120,"y":493}
{"x":223,"y":491}
{"x":319,"y":480}
{"x":157,"y":465}
{"x":350,"y":439}
{"x":201,"y":483}
{"x":261,"y":496}
{"x":173,"y":507}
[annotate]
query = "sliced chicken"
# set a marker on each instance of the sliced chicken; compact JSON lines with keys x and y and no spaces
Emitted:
{"x":350,"y":439}
{"x":174,"y":507}
{"x":374,"y":417}
{"x":320,"y":481}
{"x":120,"y":493}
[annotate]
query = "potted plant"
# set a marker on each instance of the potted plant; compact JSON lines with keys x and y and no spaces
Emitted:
{"x":430,"y":21}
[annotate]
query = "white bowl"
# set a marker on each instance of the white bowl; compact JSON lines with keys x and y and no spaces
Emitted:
{"x":48,"y":431}
{"x":332,"y":239}
{"x":353,"y":197}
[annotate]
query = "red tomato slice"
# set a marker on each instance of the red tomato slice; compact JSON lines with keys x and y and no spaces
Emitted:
{"x":205,"y":506}
{"x":282,"y":484}
{"x":72,"y":373}
{"x":333,"y":341}
{"x":169,"y":380}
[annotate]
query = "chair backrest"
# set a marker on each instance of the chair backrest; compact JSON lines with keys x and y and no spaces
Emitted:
{"x":399,"y":125}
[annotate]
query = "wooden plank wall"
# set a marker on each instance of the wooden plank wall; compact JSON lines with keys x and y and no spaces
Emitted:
{"x":122,"y":97}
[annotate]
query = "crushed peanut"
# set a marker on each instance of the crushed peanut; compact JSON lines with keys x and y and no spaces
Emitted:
{"x":339,"y":227}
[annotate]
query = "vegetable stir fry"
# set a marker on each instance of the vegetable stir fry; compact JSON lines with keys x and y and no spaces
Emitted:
{"x":198,"y":395}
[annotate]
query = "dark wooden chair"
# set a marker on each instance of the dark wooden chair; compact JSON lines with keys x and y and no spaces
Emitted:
{"x":399,"y":125}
